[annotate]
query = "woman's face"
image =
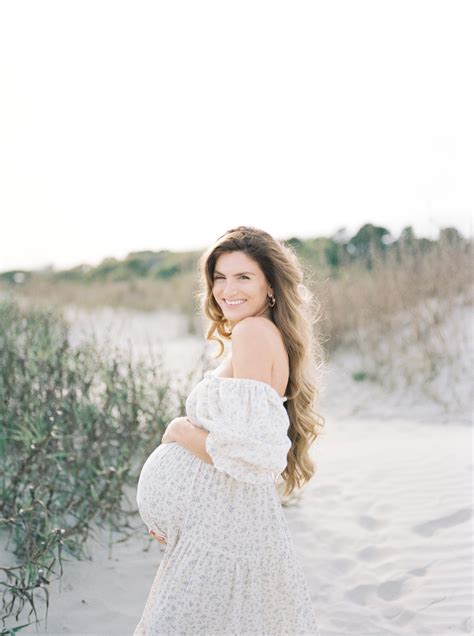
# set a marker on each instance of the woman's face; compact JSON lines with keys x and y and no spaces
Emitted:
{"x":239,"y":277}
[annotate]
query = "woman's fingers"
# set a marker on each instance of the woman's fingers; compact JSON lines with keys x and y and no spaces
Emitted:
{"x":158,"y":537}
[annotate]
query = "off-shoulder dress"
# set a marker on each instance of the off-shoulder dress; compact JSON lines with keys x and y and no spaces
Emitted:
{"x":230,"y":567}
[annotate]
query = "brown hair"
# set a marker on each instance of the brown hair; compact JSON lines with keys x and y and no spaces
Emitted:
{"x":294,"y":313}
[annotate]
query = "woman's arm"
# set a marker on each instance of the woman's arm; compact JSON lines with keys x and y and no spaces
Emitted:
{"x":193,"y":439}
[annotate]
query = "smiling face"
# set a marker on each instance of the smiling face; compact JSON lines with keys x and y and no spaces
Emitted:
{"x":239,"y":277}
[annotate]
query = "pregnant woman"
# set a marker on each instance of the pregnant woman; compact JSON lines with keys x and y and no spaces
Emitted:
{"x":208,"y":492}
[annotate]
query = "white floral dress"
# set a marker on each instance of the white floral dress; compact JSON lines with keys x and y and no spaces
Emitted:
{"x":230,"y":565}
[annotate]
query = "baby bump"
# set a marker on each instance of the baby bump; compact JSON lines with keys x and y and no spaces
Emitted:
{"x":162,"y":495}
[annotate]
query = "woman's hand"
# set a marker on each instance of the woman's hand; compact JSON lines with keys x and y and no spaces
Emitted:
{"x":159,"y":537}
{"x":173,"y":430}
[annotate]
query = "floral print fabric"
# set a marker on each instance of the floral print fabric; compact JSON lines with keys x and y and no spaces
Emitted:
{"x":229,"y":567}
{"x":247,"y":426}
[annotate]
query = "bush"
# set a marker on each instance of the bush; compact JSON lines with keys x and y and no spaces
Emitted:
{"x":73,"y":424}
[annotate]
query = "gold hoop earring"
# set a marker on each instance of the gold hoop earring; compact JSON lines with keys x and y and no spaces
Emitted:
{"x":272,"y":298}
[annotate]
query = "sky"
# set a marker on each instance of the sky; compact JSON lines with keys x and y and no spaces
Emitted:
{"x":128,"y":126}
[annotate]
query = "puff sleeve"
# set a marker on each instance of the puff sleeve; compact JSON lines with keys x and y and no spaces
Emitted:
{"x":247,"y":425}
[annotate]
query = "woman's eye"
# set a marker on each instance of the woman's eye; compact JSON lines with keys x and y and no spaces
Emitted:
{"x":243,"y":276}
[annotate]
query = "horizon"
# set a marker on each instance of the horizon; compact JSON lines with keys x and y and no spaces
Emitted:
{"x":395,"y":235}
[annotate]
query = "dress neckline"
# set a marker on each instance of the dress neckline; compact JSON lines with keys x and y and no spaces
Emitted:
{"x":211,"y":374}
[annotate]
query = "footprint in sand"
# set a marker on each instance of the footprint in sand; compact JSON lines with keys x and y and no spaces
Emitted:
{"x":391,"y":590}
{"x":361,"y":594}
{"x":372,"y":553}
{"x":371,"y":523}
{"x":430,"y":527}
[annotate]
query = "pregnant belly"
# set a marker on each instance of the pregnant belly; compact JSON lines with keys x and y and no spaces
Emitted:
{"x":162,"y":491}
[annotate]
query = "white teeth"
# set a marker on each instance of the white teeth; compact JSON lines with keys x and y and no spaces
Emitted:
{"x":234,"y":302}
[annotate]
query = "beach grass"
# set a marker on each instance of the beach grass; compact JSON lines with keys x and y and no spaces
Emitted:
{"x":73,"y":425}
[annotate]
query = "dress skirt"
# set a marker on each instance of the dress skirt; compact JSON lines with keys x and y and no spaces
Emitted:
{"x":229,"y":566}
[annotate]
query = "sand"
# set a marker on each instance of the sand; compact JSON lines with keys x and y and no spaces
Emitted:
{"x":383,"y":531}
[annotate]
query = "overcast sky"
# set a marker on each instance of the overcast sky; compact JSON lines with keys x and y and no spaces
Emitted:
{"x":128,"y":126}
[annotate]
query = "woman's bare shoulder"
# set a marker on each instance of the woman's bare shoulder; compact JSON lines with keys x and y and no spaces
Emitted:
{"x":260,"y":326}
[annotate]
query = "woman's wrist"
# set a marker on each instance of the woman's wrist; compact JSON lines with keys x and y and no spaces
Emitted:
{"x":193,"y":438}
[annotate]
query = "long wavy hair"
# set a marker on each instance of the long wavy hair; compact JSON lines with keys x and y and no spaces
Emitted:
{"x":296,"y":313}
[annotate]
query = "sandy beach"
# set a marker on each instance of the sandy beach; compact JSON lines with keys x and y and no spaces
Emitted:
{"x":383,"y":531}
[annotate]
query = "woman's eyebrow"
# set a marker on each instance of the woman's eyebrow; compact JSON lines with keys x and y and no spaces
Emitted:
{"x":239,"y":274}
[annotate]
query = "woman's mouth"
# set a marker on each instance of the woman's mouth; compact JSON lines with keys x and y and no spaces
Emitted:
{"x":234,"y":303}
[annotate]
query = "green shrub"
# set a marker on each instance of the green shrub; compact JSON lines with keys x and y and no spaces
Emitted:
{"x":75,"y":424}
